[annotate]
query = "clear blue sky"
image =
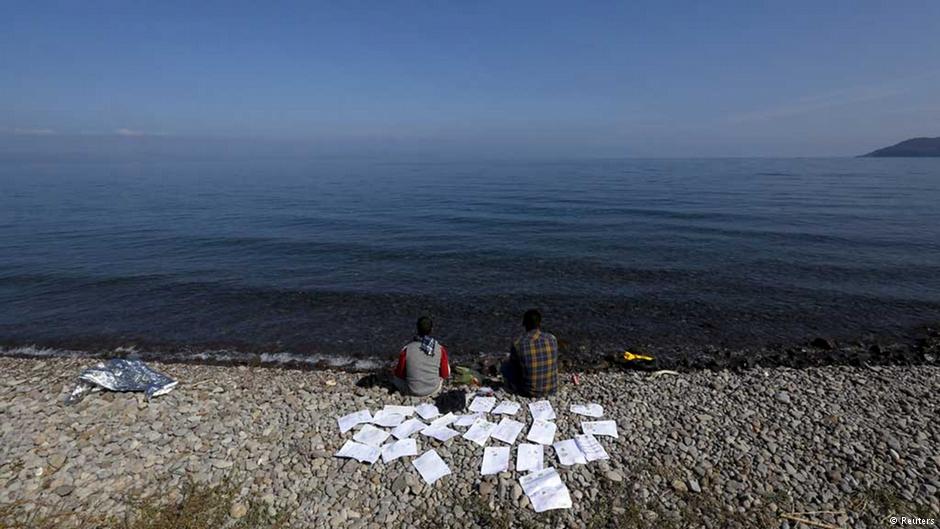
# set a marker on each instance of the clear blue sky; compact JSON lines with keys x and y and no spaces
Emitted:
{"x":723,"y":78}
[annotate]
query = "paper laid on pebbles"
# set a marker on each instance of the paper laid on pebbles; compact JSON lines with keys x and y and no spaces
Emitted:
{"x":467,"y":420}
{"x":542,"y":432}
{"x":408,"y":428}
{"x":530,"y":457}
{"x":427,"y":411}
{"x":590,"y":447}
{"x":359,"y":452}
{"x":545,"y":490}
{"x":405,"y":447}
{"x":608,"y":428}
{"x":480,"y":432}
{"x":431,"y":466}
{"x":441,"y":433}
{"x":588,"y":410}
{"x":507,"y":430}
{"x":387,"y":419}
{"x":482,"y":404}
{"x":443,"y":420}
{"x":347,"y":422}
{"x":542,"y":410}
{"x":407,"y":411}
{"x":507,"y":407}
{"x":569,"y":453}
{"x":372,"y":436}
{"x":495,"y":460}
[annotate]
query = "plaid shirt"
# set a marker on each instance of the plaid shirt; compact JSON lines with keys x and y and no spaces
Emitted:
{"x":535,"y":356}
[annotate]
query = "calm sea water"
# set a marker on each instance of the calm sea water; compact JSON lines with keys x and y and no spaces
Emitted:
{"x":339,"y":257}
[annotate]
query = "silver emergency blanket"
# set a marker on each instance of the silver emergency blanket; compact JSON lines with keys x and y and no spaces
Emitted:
{"x":118,"y":374}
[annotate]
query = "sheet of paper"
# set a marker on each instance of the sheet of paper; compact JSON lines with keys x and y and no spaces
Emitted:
{"x":530,"y":457}
{"x":467,"y":420}
{"x":482,"y":404}
{"x":593,"y":451}
{"x":495,"y":460}
{"x":568,"y":453}
{"x":542,"y":410}
{"x":405,"y":447}
{"x":427,"y":411}
{"x":347,"y":422}
{"x":444,"y":420}
{"x":370,"y":435}
{"x":545,"y":490}
{"x":430,"y":466}
{"x":507,"y":407}
{"x":542,"y":432}
{"x":441,"y":433}
{"x":507,"y":430}
{"x":480,"y":432}
{"x":600,"y":428}
{"x":387,"y":419}
{"x":408,"y":428}
{"x":407,"y":411}
{"x":359,"y":452}
{"x":589,"y":410}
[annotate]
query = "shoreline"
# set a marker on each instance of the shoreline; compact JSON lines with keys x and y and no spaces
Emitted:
{"x":713,"y":448}
{"x":919,"y":346}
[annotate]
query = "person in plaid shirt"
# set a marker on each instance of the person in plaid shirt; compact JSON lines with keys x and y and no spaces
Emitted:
{"x":532,"y":368}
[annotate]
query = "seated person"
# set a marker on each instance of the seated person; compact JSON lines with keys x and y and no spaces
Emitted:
{"x":422,"y":363}
{"x":532,"y":369}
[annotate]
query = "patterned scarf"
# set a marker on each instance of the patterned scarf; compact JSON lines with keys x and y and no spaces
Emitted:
{"x":427,"y":344}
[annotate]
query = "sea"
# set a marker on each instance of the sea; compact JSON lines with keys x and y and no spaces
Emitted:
{"x":331,"y":260}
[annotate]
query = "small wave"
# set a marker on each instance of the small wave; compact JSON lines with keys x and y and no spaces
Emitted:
{"x":224,"y":357}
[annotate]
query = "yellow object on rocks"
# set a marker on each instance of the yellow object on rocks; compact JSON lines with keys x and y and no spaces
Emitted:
{"x":628,"y":356}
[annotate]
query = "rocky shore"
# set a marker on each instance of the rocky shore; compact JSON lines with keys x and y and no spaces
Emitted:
{"x":744,"y":448}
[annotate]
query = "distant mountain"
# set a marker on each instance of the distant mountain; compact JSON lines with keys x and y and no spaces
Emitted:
{"x":912,"y":148}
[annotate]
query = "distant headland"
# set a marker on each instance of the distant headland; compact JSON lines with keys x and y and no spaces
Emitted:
{"x":912,"y":148}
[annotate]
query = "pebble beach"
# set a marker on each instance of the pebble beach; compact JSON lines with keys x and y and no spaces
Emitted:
{"x":839,"y":446}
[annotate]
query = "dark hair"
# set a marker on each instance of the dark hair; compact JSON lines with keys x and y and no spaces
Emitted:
{"x":532,"y":319}
{"x":424,"y":326}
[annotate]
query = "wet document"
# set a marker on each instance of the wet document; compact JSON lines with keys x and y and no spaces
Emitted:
{"x":405,"y":447}
{"x":530,"y":457}
{"x":359,"y":452}
{"x":430,"y":466}
{"x":347,"y":422}
{"x":542,"y":432}
{"x":495,"y":460}
{"x":507,"y":430}
{"x":545,"y":490}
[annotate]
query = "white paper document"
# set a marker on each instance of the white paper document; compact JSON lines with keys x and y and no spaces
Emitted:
{"x":441,"y":433}
{"x":431,"y":466}
{"x":408,"y":428}
{"x":370,"y":435}
{"x":467,"y":420}
{"x":495,"y":460}
{"x":347,"y":422}
{"x":542,"y":410}
{"x":542,"y":432}
{"x":480,"y":431}
{"x":387,"y":419}
{"x":568,"y":453}
{"x":482,"y":404}
{"x":529,"y":457}
{"x":444,"y":420}
{"x":359,"y":452}
{"x":600,"y":428}
{"x":545,"y":490}
{"x":507,"y":407}
{"x":405,"y":447}
{"x":507,"y":430}
{"x":593,"y":451}
{"x":589,"y":410}
{"x":427,"y":411}
{"x":407,"y":411}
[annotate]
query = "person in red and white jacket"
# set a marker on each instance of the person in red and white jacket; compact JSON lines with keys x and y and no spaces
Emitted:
{"x":422,"y":363}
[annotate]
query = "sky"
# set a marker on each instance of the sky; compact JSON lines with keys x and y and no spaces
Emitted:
{"x":475,"y":78}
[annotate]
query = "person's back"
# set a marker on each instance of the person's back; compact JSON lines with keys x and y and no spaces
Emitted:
{"x":534,"y":359}
{"x":422,"y":363}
